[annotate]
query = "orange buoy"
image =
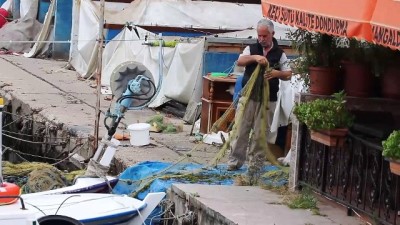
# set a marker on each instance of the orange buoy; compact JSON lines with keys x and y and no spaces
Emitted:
{"x":9,"y":189}
{"x":3,"y":17}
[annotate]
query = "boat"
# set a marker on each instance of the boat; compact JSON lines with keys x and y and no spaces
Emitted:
{"x":84,"y":185}
{"x":79,"y":209}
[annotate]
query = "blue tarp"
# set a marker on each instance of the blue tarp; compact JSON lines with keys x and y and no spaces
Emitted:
{"x":129,"y":180}
{"x":207,"y":175}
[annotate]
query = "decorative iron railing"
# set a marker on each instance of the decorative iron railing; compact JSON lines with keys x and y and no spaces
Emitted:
{"x":355,"y":175}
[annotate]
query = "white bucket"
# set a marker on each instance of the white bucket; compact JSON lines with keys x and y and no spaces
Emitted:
{"x":140,"y":134}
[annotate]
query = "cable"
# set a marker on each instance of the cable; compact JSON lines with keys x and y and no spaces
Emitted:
{"x":39,"y":136}
{"x":23,"y":140}
{"x":231,"y":68}
{"x":136,"y":95}
{"x":62,"y":203}
{"x":140,"y":215}
{"x":147,"y":100}
{"x":71,"y":41}
{"x":36,"y":208}
{"x":44,"y":157}
{"x":167,"y":208}
{"x":74,"y":151}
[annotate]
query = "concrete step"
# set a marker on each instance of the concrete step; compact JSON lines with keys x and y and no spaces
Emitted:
{"x":246,"y":205}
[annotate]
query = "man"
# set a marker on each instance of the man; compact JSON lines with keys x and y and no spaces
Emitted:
{"x":265,"y":51}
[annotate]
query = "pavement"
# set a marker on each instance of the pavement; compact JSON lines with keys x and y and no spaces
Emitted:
{"x":246,"y":205}
{"x":57,"y":94}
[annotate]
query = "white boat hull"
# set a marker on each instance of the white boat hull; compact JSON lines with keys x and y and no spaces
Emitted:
{"x":89,"y":209}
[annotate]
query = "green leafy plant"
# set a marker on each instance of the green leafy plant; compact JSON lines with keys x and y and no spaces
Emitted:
{"x":324,"y":114}
{"x":391,"y":146}
{"x":314,"y":49}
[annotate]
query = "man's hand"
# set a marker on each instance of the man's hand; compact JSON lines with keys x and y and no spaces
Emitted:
{"x":261,"y":60}
{"x":283,"y":75}
{"x":271,"y":74}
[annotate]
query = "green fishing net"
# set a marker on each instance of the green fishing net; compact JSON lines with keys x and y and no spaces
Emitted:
{"x":230,"y":113}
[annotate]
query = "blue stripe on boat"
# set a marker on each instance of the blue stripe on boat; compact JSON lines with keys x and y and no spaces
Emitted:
{"x":114,"y":216}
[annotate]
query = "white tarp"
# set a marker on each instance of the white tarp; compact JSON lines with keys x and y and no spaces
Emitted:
{"x":185,"y":71}
{"x":187,"y":13}
{"x":171,"y":13}
{"x":179,"y":66}
{"x":45,"y":34}
{"x":25,"y":5}
{"x":127,"y":46}
{"x":84,"y":32}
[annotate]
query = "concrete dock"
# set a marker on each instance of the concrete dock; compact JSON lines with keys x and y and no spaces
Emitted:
{"x":247,"y":205}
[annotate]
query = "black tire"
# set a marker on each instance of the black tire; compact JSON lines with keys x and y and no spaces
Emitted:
{"x":58,"y":220}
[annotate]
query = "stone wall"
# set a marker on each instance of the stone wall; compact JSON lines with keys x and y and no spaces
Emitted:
{"x":30,"y":136}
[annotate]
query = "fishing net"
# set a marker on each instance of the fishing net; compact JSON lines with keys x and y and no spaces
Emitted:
{"x":44,"y":179}
{"x":230,"y":112}
{"x":37,"y":176}
{"x":22,"y":169}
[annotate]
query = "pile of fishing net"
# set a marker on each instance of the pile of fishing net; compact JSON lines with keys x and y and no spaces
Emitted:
{"x":231,"y":112}
{"x":36,"y":176}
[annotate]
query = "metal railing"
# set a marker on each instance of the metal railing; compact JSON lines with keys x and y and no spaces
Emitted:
{"x":355,"y":175}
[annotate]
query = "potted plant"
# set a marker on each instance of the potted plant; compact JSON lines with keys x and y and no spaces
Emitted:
{"x":328,"y":119}
{"x":358,"y":76}
{"x":391,"y":151}
{"x":317,"y":62}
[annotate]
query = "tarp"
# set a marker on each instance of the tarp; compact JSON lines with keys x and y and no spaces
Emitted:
{"x":137,"y":176}
{"x":171,"y":13}
{"x":187,"y":13}
{"x":386,"y":23}
{"x":182,"y":64}
{"x":340,"y":17}
{"x":44,"y":35}
{"x":13,"y":35}
{"x":179,"y":66}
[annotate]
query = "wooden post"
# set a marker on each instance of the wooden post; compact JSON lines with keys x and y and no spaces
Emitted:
{"x":98,"y":74}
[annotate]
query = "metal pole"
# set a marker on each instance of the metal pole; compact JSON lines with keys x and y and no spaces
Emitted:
{"x":1,"y":140}
{"x":98,"y":74}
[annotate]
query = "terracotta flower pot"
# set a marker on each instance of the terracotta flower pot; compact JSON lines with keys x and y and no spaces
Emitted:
{"x":358,"y":79}
{"x":395,"y":166}
{"x":331,"y":138}
{"x":391,"y":83}
{"x":323,"y":80}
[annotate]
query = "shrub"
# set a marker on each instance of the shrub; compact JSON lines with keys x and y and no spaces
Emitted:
{"x":391,"y":146}
{"x":324,"y":114}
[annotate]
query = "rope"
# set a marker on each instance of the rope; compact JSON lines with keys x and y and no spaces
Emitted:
{"x":19,"y":153}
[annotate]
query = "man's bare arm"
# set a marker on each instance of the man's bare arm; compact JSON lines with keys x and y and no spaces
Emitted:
{"x":245,"y":60}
